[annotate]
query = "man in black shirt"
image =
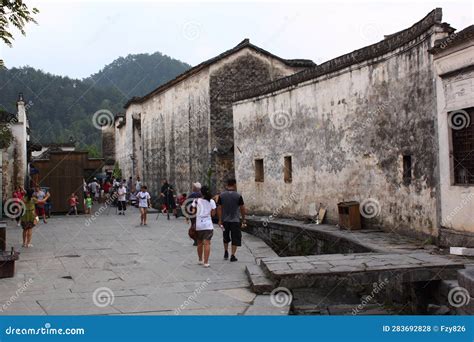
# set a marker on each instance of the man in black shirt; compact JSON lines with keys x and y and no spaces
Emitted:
{"x":167,"y":193}
{"x":230,"y":208}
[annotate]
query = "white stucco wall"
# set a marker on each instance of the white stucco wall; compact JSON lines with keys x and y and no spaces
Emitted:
{"x":455,"y":91}
{"x":169,"y":147}
{"x":346,"y":132}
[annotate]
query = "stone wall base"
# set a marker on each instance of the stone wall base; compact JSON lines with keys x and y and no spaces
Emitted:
{"x":453,"y":238}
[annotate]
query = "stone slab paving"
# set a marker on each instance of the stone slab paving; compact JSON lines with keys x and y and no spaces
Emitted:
{"x":365,"y":268}
{"x":135,"y":270}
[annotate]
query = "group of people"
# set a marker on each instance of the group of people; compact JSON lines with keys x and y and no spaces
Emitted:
{"x":230,"y":209}
{"x":228,"y":206}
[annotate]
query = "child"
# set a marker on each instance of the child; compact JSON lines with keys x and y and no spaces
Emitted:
{"x":143,"y":203}
{"x":72,"y":204}
{"x":122,"y":199}
{"x":88,"y":201}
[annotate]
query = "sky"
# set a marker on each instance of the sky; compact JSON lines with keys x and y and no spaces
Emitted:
{"x":78,"y":38}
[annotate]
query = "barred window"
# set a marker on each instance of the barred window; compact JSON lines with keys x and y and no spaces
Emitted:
{"x":461,"y":123}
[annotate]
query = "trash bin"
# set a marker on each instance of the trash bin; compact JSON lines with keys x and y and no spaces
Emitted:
{"x":7,"y":263}
{"x":349,"y":215}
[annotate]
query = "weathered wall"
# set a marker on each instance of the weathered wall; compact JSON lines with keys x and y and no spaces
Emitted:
{"x":15,"y":165}
{"x":347,"y":132}
{"x":455,"y":91}
{"x":108,"y":146}
{"x":188,"y":127}
{"x":240,"y":71}
{"x":124,"y":142}
{"x":175,"y":133}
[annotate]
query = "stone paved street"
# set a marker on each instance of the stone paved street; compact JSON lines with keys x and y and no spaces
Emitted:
{"x":149,"y":270}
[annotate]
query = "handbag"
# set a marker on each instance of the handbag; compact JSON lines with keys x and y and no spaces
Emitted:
{"x":192,"y":232}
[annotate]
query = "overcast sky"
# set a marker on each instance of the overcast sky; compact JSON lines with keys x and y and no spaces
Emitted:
{"x":77,"y":38}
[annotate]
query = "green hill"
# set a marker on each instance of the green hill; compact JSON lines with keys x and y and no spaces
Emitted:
{"x":61,"y":108}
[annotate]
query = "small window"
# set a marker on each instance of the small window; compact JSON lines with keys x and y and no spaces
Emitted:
{"x":259,"y":170}
{"x":288,"y":171}
{"x":462,"y":139}
{"x":407,"y":169}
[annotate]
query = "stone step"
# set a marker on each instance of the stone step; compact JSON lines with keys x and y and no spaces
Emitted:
{"x":259,"y":282}
{"x":466,"y":279}
{"x":314,"y":270}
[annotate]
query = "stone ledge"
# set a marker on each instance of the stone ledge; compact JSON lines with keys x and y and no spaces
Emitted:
{"x":262,"y":306}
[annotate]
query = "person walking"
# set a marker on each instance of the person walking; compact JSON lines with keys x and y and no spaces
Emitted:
{"x":88,"y":204}
{"x":40,"y":195}
{"x":205,"y":208}
{"x":143,"y":203}
{"x":94,"y":188}
{"x":138,"y":184}
{"x":122,"y":199}
{"x":196,"y":193}
{"x":72,"y":201}
{"x":29,"y":219}
{"x":167,"y":193}
{"x":18,"y":195}
{"x":230,"y":207}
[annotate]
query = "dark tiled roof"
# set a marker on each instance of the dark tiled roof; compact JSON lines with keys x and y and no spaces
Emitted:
{"x":454,"y":39}
{"x":390,"y":43}
{"x":300,"y":63}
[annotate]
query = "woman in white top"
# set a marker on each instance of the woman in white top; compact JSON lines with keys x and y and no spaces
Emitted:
{"x":143,"y":203}
{"x":205,"y":208}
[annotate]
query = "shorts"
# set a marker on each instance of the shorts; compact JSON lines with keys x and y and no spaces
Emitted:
{"x":27,"y":225}
{"x":40,"y":211}
{"x":232,"y":233}
{"x":204,"y":234}
{"x":122,"y":205}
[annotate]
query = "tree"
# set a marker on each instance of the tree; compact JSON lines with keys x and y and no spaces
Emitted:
{"x":117,"y":173}
{"x":6,"y":136}
{"x":16,"y":13}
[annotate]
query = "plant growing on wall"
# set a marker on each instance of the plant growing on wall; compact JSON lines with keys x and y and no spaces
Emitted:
{"x":117,"y":173}
{"x":6,"y":136}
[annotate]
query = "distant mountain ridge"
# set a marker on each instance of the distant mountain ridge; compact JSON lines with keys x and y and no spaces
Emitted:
{"x":60,"y":108}
{"x":137,"y":75}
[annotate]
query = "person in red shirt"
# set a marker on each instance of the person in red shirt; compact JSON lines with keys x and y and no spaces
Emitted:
{"x":18,"y":195}
{"x":106,"y":188}
{"x":72,"y":201}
